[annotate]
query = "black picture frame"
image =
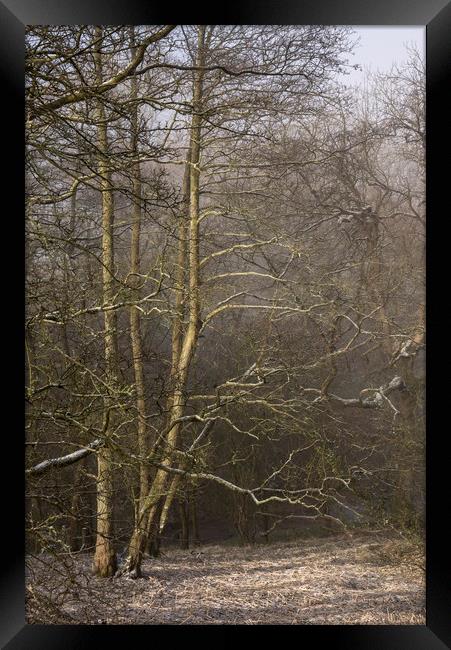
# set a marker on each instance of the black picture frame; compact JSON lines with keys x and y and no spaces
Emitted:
{"x":435,"y":15}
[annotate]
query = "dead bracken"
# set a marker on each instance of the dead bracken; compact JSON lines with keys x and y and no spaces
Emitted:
{"x":339,"y":580}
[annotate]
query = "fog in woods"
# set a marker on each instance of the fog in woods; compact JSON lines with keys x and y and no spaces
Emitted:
{"x":225,"y":267}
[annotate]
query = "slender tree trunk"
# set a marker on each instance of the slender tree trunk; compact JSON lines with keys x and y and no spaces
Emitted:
{"x":75,"y":541}
{"x":135,"y":320}
{"x":154,"y":544}
{"x":180,"y":275}
{"x":154,"y":536}
{"x":74,"y":521}
{"x":194,"y":520}
{"x":265,"y":526}
{"x":168,"y":500}
{"x":189,"y":340}
{"x":184,"y":523}
{"x":105,"y":558}
{"x":178,"y":328}
{"x":192,"y":189}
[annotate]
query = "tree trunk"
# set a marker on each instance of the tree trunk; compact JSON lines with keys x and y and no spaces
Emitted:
{"x":74,"y":522}
{"x":153,"y":534}
{"x":105,"y":558}
{"x":135,"y":320}
{"x":189,"y":340}
{"x":265,"y":526}
{"x":154,"y":544}
{"x":194,"y":520}
{"x":184,"y":523}
{"x":182,"y":360}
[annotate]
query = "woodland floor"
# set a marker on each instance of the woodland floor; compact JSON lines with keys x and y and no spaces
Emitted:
{"x":363,"y":579}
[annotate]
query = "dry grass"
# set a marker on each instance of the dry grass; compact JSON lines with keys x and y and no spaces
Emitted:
{"x":340,"y":580}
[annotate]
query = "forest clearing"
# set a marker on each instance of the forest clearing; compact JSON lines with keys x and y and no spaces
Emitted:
{"x":370,"y":579}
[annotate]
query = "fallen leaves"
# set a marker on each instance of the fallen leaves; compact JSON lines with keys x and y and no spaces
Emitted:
{"x":323,"y":581}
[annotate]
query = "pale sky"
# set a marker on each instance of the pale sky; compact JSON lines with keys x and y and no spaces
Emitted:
{"x":381,"y":46}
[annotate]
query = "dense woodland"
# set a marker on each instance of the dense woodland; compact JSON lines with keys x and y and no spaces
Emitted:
{"x":225,"y":290}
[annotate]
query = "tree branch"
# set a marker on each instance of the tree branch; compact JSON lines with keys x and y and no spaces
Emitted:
{"x":63,"y":461}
